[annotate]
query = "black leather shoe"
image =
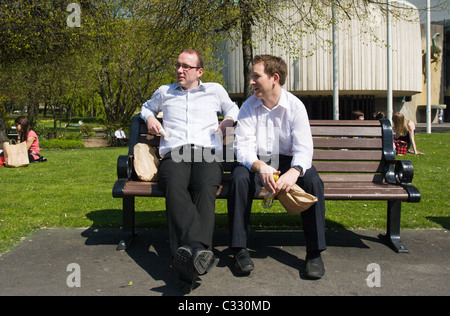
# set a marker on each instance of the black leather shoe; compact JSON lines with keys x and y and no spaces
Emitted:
{"x":243,"y":262}
{"x":314,"y":267}
{"x":204,"y":260}
{"x":183,"y":264}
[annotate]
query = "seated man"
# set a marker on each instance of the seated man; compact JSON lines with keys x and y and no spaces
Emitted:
{"x":121,"y":137}
{"x":274,"y":124}
{"x":190,"y":184}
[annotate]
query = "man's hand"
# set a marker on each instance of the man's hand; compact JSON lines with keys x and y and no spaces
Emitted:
{"x":153,"y":125}
{"x":287,"y":180}
{"x":266,"y":172}
{"x":227,"y":122}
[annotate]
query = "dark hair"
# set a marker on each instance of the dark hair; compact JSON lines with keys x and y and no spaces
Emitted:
{"x":24,"y":126}
{"x":357,"y":114}
{"x":379,"y":115}
{"x":273,"y":65}
{"x":201,"y":60}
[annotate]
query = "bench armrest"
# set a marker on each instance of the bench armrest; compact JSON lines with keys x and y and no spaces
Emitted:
{"x":124,"y":167}
{"x":404,"y":171}
{"x":399,"y":172}
{"x":124,"y":173}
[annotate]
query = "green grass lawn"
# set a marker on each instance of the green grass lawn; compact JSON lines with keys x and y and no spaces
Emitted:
{"x":74,"y":189}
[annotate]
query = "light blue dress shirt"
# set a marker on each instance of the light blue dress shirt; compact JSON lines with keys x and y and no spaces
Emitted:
{"x":190,"y":116}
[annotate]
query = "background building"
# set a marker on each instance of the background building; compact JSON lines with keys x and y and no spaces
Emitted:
{"x":440,"y":88}
{"x":439,"y":75}
{"x":362,"y":67}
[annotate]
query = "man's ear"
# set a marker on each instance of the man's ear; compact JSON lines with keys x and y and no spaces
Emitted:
{"x":200,"y":72}
{"x":276,"y":78}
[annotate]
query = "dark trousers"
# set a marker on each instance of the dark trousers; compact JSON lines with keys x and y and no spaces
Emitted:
{"x":245,"y":185}
{"x":190,"y":190}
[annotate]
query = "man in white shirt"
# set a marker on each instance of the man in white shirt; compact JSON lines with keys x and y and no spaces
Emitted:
{"x":273,"y":136}
{"x":120,"y":136}
{"x":187,"y":174}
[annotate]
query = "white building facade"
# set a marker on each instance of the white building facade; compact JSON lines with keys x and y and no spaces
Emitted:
{"x":362,"y":62}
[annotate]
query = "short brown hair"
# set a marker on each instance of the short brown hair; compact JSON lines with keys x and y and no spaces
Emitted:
{"x":273,"y":65}
{"x":201,"y":60}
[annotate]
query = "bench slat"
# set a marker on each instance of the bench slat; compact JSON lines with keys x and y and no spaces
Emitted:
{"x":359,"y":155}
{"x":349,"y":143}
{"x":347,"y":123}
{"x":150,"y":140}
{"x":366,"y":195}
{"x":347,"y":178}
{"x":140,"y":188}
{"x":353,"y":167}
{"x":366,"y":191}
{"x":364,"y":185}
{"x":344,"y":131}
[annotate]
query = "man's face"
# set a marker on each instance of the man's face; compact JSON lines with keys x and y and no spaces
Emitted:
{"x":260,"y":81}
{"x":188,"y":79}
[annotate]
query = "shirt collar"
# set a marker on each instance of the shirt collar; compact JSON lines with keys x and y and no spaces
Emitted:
{"x":283,"y":102}
{"x":201,"y":86}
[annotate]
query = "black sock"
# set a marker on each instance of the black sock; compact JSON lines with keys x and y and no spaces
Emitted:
{"x":313,"y":254}
{"x":237,"y":249}
{"x":197,"y":245}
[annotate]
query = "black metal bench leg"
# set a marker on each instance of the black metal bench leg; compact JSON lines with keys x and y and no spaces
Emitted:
{"x":392,"y":236}
{"x":128,"y":232}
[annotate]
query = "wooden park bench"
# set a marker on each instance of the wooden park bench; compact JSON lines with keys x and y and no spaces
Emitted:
{"x":355,"y":160}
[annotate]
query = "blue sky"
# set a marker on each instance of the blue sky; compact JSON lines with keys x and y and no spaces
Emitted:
{"x":436,"y":15}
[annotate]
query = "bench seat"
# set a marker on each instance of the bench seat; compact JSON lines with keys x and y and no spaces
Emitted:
{"x":361,"y":191}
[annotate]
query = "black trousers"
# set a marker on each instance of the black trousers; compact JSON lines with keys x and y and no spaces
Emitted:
{"x":245,"y":185}
{"x":190,"y":189}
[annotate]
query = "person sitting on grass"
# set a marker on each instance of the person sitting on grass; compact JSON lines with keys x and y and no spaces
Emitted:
{"x":25,"y":134}
{"x":404,"y":130}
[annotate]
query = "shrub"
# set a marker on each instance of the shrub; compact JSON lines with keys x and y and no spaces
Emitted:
{"x":87,"y":131}
{"x":72,"y":137}
{"x":61,"y":143}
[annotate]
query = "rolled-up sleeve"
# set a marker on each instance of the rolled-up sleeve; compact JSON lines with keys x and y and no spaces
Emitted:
{"x":153,"y":106}
{"x":302,"y":143}
{"x":227,"y":106}
{"x":245,"y":142}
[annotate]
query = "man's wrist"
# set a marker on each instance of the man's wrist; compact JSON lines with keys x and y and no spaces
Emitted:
{"x":299,"y":169}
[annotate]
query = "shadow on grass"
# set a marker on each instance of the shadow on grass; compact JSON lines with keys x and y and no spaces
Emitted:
{"x":444,"y":221}
{"x":271,"y":232}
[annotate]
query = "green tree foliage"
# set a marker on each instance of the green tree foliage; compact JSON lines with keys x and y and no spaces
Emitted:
{"x":120,"y":53}
{"x":37,"y":31}
{"x":35,"y":47}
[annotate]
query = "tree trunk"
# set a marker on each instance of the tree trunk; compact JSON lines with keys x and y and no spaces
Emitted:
{"x":247,"y":47}
{"x":3,"y":137}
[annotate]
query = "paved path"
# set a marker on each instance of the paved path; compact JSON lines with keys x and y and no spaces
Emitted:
{"x":39,"y":265}
{"x":435,"y":128}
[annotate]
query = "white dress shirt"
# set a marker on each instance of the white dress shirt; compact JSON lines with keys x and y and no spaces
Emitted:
{"x":284,"y":130}
{"x":119,"y":134}
{"x":190,"y":116}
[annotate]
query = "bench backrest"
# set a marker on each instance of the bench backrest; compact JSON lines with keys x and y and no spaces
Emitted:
{"x":344,"y":151}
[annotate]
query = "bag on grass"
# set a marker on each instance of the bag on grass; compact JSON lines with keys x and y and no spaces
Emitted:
{"x":401,"y":146}
{"x":16,"y":155}
{"x":146,"y":162}
{"x":296,"y":200}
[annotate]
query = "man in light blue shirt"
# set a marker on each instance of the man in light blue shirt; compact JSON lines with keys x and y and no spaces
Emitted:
{"x":187,"y":174}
